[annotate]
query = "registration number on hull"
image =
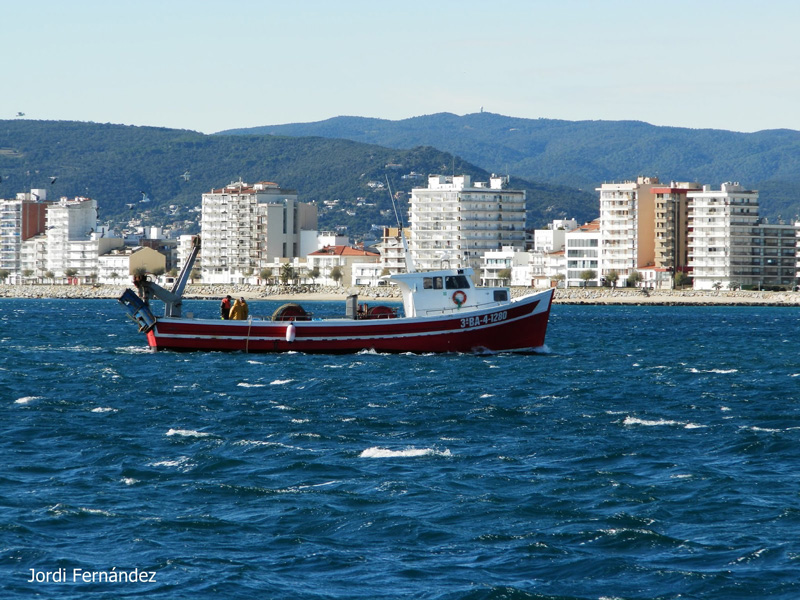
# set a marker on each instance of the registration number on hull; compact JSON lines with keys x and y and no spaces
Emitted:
{"x":485,"y":319}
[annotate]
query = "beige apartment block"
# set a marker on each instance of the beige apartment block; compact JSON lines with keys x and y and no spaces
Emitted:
{"x":627,"y":226}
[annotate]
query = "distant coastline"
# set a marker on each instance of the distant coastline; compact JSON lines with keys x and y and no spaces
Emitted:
{"x":606,"y":296}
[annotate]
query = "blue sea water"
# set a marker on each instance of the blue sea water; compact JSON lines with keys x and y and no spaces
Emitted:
{"x":651,"y":452}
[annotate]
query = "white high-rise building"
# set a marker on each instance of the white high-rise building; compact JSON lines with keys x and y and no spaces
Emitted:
{"x":246,"y":227}
{"x":455,"y":221}
{"x":21,"y":219}
{"x":730,"y":246}
{"x":73,"y":242}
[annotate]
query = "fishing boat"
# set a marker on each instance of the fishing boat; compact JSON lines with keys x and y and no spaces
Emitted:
{"x":443,"y":312}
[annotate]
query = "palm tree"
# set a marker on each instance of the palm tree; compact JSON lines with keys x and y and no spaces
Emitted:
{"x":287,"y":273}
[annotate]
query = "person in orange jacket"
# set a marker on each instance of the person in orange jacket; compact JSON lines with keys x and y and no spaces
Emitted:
{"x":239,"y":310}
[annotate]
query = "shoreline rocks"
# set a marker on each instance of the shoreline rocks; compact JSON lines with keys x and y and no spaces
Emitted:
{"x":624,"y":296}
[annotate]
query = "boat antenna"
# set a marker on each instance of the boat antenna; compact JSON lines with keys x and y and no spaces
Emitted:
{"x":394,"y":206}
{"x":408,"y":258}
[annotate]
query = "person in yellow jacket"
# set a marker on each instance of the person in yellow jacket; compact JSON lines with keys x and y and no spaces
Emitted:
{"x":239,"y":310}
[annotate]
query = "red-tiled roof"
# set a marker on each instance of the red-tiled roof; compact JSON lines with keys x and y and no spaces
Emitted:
{"x":342,"y":251}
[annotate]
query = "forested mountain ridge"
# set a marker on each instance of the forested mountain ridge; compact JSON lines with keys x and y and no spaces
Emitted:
{"x":121,"y":165}
{"x":584,"y":154}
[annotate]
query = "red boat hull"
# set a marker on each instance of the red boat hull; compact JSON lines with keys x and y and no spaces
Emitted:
{"x":518,"y":325}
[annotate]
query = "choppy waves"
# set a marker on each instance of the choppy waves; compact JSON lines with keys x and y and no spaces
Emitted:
{"x":645,"y":455}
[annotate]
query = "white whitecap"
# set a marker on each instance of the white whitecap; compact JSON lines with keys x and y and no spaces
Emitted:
{"x":649,"y":423}
{"x":27,"y":399}
{"x":376,"y":452}
{"x":250,"y":385}
{"x":718,"y":371}
{"x":183,"y":463}
{"x":281,"y":381}
{"x":103,"y":409}
{"x":188,"y":433}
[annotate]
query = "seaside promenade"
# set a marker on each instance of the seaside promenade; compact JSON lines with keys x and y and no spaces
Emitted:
{"x":624,"y":296}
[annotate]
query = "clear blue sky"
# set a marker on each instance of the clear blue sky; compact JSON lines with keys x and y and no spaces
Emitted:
{"x":209,"y":66}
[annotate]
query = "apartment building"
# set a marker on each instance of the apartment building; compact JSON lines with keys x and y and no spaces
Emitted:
{"x":671,"y":226}
{"x":21,"y":219}
{"x":454,"y":221}
{"x":73,"y":242}
{"x":730,"y":246}
{"x":552,"y":238}
{"x":627,"y":226}
{"x":246,"y":227}
{"x":393,"y":255}
{"x":582,"y":252}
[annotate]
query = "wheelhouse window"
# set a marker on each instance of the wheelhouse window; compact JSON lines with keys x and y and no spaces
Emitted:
{"x":432,"y":283}
{"x":456,"y":282}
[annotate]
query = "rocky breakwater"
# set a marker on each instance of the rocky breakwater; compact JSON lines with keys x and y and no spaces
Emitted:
{"x":675,"y":297}
{"x":289,"y":291}
{"x":101,"y":291}
{"x":85,"y":292}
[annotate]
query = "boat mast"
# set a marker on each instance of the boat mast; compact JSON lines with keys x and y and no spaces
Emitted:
{"x":410,"y":268}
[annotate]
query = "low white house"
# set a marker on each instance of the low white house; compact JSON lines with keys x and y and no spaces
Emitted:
{"x":329,"y":258}
{"x":495,"y":262}
{"x":119,"y":265}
